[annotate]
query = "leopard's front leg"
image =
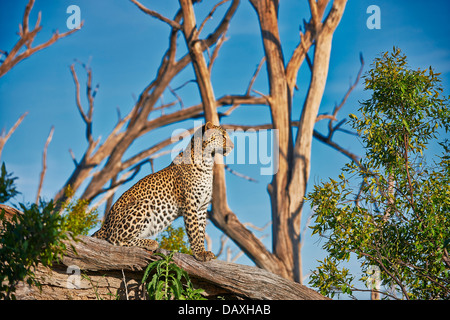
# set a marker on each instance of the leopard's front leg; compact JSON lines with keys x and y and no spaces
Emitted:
{"x":195,"y":223}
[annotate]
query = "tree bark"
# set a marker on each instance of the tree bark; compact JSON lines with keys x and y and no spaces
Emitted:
{"x":301,"y":160}
{"x":280,"y":106}
{"x":110,"y":272}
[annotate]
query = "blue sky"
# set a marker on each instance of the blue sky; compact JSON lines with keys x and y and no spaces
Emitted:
{"x":124,"y":48}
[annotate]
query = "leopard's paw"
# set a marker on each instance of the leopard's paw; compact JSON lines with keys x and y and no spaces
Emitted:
{"x":204,"y":256}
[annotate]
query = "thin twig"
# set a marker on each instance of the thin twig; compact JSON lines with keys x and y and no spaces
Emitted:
{"x":215,"y":53}
{"x":211,"y":13}
{"x":87,"y":118}
{"x":252,"y":81}
{"x":325,"y":116}
{"x":44,"y":164}
{"x":352,"y":87}
{"x":125,"y":285}
{"x":72,"y":155}
{"x":173,"y":92}
{"x":5,"y":136}
{"x":240,"y":175}
{"x":184,"y":84}
{"x":77,"y":95}
{"x":157,"y":15}
{"x":249,"y":89}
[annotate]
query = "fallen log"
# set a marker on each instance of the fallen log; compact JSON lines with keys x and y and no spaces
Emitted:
{"x":94,"y":269}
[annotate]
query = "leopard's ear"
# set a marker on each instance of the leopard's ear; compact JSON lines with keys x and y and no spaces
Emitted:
{"x":209,"y":125}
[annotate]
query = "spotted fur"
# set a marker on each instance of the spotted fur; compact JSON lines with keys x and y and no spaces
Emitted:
{"x":184,"y":188}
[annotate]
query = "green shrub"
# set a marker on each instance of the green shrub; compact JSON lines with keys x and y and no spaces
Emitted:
{"x":7,"y":188}
{"x":79,"y":218}
{"x":166,"y":283}
{"x":174,"y":239}
{"x":27,"y":239}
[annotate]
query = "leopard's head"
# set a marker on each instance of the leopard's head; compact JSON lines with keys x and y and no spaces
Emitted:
{"x":216,"y":139}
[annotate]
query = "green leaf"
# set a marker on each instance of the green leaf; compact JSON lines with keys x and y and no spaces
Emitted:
{"x":406,"y":125}
{"x":446,"y":243}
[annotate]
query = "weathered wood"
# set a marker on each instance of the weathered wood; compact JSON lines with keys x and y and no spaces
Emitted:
{"x":108,"y":272}
{"x":92,"y":254}
{"x":9,"y":211}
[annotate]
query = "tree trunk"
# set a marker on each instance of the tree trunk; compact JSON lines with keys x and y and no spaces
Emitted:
{"x":301,"y":160}
{"x":280,"y":106}
{"x":221,"y":214}
{"x":288,"y":186}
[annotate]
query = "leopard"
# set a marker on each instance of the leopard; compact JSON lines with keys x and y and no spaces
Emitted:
{"x":182,"y":189}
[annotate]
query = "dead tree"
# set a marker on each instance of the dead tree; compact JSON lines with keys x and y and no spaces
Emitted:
{"x":288,"y":187}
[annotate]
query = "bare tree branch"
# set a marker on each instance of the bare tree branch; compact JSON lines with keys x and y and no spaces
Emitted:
{"x":44,"y":164}
{"x":5,"y":136}
{"x":337,"y":147}
{"x":352,"y":87}
{"x":222,"y":27}
{"x":26,"y":39}
{"x":299,"y":54}
{"x":299,"y":168}
{"x":156,"y":15}
{"x":315,"y":18}
{"x":87,"y":118}
{"x":215,"y":53}
{"x":210,"y":14}
{"x":255,"y":75}
{"x":240,"y":175}
{"x":136,"y":123}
